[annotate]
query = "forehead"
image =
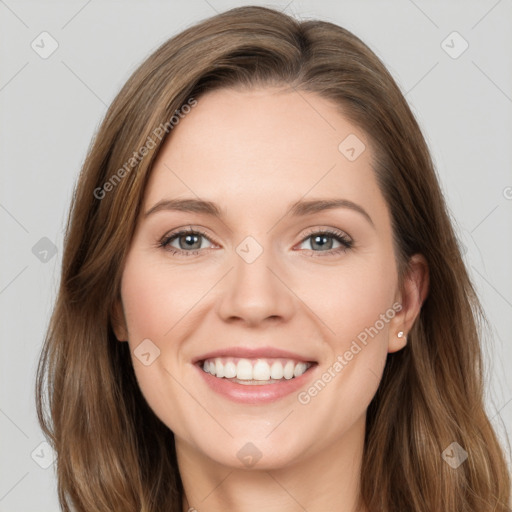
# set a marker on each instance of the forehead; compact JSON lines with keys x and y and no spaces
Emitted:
{"x":249,"y":149}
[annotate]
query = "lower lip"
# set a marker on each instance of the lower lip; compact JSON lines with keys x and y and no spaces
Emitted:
{"x":258,"y":393}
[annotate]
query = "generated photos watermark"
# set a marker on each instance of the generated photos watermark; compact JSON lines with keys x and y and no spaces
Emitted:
{"x":136,"y":158}
{"x":305,"y":397}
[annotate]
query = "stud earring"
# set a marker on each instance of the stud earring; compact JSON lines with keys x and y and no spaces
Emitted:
{"x":400,"y":334}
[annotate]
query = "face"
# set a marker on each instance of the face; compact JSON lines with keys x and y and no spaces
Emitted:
{"x":273,"y":285}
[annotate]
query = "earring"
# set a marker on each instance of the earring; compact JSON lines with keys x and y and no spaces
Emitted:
{"x":400,"y":334}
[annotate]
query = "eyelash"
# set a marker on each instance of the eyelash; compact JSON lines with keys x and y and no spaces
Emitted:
{"x":342,"y":238}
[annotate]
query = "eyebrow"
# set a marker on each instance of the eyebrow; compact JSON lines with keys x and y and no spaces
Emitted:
{"x":300,"y":208}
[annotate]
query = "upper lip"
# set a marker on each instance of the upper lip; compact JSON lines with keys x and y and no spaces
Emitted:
{"x":253,"y":353}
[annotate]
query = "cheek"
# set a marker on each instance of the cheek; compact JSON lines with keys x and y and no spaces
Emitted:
{"x":153,"y":302}
{"x":144,"y":306}
{"x":154,"y":297}
{"x":357,"y":295}
{"x":357,"y":310}
{"x":158,"y":303}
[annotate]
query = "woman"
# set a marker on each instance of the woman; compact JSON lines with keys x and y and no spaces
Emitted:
{"x":263,"y":305}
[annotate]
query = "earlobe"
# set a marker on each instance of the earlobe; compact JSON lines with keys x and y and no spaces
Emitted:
{"x":414,"y":292}
{"x":118,"y":321}
{"x":397,"y":341}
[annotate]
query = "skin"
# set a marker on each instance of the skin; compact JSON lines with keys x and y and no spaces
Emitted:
{"x":254,"y":152}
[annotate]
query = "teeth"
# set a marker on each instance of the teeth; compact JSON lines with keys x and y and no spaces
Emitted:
{"x":299,"y":369}
{"x":229,"y":370}
{"x":261,"y":371}
{"x":288,"y":370}
{"x":254,"y":369}
{"x":219,"y":369}
{"x":244,"y":370}
{"x":277,"y":372}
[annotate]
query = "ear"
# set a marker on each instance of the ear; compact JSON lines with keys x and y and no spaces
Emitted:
{"x":118,"y":321}
{"x":411,"y":297}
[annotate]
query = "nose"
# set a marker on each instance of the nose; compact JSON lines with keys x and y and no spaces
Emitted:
{"x":256,"y":292}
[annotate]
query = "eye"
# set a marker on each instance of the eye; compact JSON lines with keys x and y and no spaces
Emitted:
{"x":186,"y":239}
{"x":323,"y":240}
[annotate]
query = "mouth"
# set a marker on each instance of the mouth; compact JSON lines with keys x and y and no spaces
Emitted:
{"x":255,"y":381}
{"x":254,"y":371}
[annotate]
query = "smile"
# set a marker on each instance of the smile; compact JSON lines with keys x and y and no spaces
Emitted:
{"x":255,"y":381}
{"x":255,"y":371}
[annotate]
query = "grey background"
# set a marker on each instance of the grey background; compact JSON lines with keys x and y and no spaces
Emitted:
{"x":51,"y":107}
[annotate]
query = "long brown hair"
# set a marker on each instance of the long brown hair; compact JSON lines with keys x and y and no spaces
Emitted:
{"x":113,"y":453}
